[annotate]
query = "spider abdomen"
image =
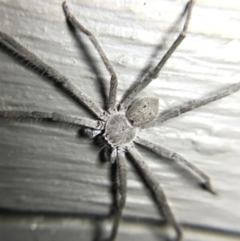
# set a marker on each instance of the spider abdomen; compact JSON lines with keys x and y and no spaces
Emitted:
{"x":143,"y":111}
{"x":118,"y":130}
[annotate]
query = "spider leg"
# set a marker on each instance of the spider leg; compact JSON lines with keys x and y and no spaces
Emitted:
{"x":162,"y":44}
{"x":162,"y":151}
{"x":156,"y":189}
{"x":193,"y":104}
{"x":152,"y":74}
{"x":52,"y":116}
{"x":114,"y":82}
{"x":121,"y":191}
{"x":12,"y":45}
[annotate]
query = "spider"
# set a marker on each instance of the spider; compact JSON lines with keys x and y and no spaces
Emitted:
{"x":118,"y":126}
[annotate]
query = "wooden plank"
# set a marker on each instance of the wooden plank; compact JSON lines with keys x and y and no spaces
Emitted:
{"x":48,"y":169}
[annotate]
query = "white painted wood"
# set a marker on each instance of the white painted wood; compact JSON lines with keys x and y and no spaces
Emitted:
{"x":46,"y":168}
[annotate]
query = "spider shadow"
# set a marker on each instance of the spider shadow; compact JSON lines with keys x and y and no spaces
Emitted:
{"x":85,"y":50}
{"x":44,"y":218}
{"x":50,"y":224}
{"x":104,"y":158}
{"x":160,"y":47}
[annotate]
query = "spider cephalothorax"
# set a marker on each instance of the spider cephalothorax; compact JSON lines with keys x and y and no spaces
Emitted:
{"x":118,"y":130}
{"x":119,"y":126}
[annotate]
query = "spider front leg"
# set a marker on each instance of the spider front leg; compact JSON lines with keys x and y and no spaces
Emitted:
{"x":162,"y":151}
{"x":36,"y":63}
{"x":121,"y":191}
{"x":156,"y":189}
{"x":152,"y":74}
{"x":52,"y":116}
{"x":114,"y":82}
{"x":193,"y":104}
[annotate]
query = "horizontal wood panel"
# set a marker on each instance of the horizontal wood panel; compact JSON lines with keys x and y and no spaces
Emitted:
{"x":47,"y":168}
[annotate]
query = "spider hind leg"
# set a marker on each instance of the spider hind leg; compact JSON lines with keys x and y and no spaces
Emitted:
{"x":171,"y":155}
{"x":158,"y":194}
{"x":120,"y":190}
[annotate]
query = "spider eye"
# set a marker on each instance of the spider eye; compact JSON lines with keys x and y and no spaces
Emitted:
{"x":143,"y":111}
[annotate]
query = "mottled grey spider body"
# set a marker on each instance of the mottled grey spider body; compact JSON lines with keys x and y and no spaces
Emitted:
{"x":119,"y":131}
{"x":118,"y":126}
{"x":121,"y":127}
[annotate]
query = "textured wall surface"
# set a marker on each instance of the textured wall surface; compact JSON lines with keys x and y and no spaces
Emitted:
{"x":52,"y":184}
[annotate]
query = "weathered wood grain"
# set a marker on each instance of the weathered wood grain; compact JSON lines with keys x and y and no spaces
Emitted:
{"x":52,"y":185}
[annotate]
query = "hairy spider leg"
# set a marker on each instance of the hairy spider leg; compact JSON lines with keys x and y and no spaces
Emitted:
{"x":193,"y":104}
{"x":164,"y":40}
{"x":121,"y":191}
{"x":61,"y":80}
{"x":164,"y":152}
{"x":53,"y":116}
{"x":158,"y":193}
{"x":113,"y":82}
{"x":152,"y":74}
